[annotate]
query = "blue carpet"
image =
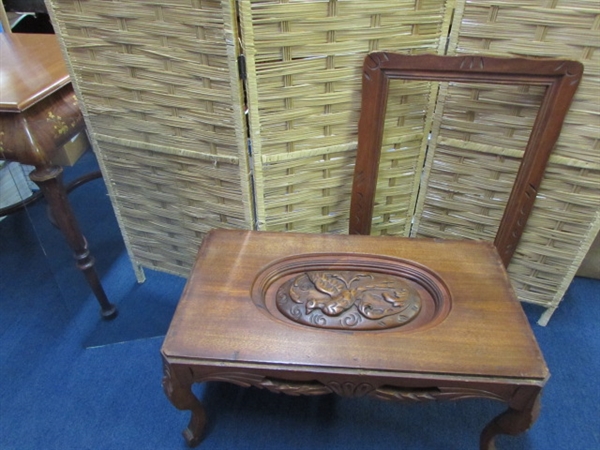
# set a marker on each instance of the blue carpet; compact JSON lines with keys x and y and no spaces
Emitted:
{"x":72,"y":381}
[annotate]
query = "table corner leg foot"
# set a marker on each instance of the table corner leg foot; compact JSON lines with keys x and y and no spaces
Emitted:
{"x":193,"y":434}
{"x":109,"y":312}
{"x":512,"y":422}
{"x":179,"y":392}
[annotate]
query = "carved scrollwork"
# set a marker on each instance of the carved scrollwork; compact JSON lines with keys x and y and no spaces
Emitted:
{"x":349,"y":388}
{"x":246,"y":379}
{"x":295,"y":388}
{"x":432,"y":394}
{"x":348,"y":300}
{"x":243,"y":379}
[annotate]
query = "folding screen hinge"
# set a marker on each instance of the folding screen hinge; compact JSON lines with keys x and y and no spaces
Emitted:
{"x":250,"y":162}
{"x":242,"y":67}
{"x":252,"y":180}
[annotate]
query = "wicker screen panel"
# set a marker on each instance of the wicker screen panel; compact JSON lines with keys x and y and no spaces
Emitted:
{"x":309,"y":193}
{"x":479,"y":136}
{"x":159,"y":87}
{"x":162,"y":99}
{"x":558,"y":235}
{"x":405,"y":140}
{"x":171,"y":202}
{"x":566,"y":215}
{"x":304,"y":62}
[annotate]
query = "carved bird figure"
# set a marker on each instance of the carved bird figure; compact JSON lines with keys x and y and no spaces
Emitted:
{"x":338,"y":296}
{"x":333,"y":295}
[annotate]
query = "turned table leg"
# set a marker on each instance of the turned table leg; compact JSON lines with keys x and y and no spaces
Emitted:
{"x":518,"y":418}
{"x":49,"y":180}
{"x":178,"y":389}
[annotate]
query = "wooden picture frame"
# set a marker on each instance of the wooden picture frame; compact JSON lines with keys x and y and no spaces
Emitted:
{"x":560,"y":77}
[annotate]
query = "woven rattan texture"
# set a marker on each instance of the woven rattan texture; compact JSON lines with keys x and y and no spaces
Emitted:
{"x":480,"y":134}
{"x":163,"y":104}
{"x":162,"y":101}
{"x":467,"y":166}
{"x":304,"y":61}
{"x":171,"y":202}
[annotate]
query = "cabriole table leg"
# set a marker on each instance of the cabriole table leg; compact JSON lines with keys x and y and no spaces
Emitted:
{"x":518,"y":418}
{"x":178,"y":389}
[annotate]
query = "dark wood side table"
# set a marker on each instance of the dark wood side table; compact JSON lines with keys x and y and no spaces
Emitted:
{"x":38,"y":115}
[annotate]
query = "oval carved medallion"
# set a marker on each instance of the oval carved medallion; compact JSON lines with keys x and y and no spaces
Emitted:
{"x":348,"y":299}
{"x":351,"y":292}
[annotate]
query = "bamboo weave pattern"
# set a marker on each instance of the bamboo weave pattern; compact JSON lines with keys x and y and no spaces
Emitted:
{"x":464,"y":166}
{"x":165,"y":109}
{"x":163,"y":106}
{"x":304,"y":82}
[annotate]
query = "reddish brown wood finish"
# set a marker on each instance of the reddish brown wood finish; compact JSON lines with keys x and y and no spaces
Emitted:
{"x":38,"y":115}
{"x":561,"y":78}
{"x":290,"y":312}
{"x":32,"y":69}
{"x":482,"y":347}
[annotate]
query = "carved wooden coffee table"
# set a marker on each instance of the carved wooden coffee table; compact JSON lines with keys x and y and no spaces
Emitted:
{"x":315,"y":314}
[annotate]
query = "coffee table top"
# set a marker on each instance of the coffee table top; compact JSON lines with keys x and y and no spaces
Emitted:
{"x":483,"y":331}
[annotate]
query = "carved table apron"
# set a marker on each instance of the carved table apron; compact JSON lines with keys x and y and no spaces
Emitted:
{"x":314,"y":314}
